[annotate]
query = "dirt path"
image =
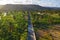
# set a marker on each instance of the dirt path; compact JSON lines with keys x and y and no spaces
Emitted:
{"x":31,"y":33}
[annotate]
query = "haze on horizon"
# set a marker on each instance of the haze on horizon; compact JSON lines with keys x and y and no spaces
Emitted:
{"x":46,"y":3}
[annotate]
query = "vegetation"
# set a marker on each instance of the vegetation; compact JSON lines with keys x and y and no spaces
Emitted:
{"x":13,"y":26}
{"x":43,"y":22}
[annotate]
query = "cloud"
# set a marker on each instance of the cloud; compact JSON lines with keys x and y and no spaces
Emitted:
{"x":5,"y":2}
{"x":15,"y":2}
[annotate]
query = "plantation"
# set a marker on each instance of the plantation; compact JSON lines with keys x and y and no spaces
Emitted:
{"x":13,"y":24}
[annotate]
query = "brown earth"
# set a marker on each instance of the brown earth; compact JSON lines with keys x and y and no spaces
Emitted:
{"x":50,"y":34}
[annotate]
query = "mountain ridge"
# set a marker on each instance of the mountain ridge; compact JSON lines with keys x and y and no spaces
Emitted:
{"x":23,"y":7}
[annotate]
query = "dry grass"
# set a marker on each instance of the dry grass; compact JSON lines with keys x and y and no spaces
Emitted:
{"x":50,"y":34}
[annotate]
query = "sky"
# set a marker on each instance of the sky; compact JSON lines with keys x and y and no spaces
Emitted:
{"x":46,"y":3}
{"x":50,"y":3}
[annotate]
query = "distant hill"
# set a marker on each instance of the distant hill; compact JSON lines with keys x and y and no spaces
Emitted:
{"x":30,"y":7}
